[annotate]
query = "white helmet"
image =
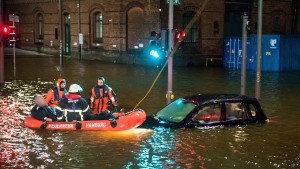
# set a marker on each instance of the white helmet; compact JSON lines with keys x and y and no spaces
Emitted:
{"x":75,"y":88}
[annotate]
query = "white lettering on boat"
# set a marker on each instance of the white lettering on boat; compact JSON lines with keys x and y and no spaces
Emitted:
{"x":95,"y":124}
{"x":61,"y":126}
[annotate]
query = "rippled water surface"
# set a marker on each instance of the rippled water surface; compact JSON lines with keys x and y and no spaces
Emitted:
{"x":273,"y":145}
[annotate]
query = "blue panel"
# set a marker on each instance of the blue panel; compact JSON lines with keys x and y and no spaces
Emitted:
{"x":226,"y":52}
{"x":290,"y":52}
{"x":231,"y":52}
{"x":270,"y":52}
{"x":238,"y":53}
{"x":251,"y":53}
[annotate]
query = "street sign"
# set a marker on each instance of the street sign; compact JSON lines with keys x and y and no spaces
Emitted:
{"x":13,"y":18}
{"x":80,"y":38}
{"x":176,"y":2}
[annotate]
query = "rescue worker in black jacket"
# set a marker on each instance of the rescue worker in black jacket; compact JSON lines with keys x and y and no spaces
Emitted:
{"x":75,"y":108}
{"x":41,"y":111}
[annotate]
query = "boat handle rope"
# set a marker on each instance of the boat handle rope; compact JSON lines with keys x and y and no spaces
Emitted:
{"x":78,"y":125}
{"x":44,"y":125}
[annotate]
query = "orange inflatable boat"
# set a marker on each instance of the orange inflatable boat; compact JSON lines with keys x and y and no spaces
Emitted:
{"x":124,"y":121}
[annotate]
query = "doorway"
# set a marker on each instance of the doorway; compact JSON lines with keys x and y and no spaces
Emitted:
{"x":134,"y":25}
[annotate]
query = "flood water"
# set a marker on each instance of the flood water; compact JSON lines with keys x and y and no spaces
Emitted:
{"x":273,"y":145}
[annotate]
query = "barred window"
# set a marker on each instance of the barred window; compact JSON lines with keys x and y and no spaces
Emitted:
{"x":192,"y":36}
{"x":98,"y":25}
{"x":40,"y":26}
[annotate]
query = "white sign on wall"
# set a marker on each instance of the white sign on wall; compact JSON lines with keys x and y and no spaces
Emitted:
{"x":13,"y":18}
{"x":80,"y":38}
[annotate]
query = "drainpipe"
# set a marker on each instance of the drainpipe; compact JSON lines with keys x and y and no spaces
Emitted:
{"x":79,"y":30}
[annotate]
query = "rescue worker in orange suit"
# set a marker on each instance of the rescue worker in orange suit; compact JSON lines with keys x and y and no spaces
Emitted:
{"x":73,"y":107}
{"x":54,"y":95}
{"x":103,"y":98}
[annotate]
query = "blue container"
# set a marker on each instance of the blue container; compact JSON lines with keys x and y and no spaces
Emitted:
{"x":279,"y":52}
{"x":233,"y":53}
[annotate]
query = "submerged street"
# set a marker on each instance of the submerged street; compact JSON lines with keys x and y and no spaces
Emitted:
{"x":272,"y":145}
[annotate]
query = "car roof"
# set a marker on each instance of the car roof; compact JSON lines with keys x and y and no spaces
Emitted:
{"x":202,"y":98}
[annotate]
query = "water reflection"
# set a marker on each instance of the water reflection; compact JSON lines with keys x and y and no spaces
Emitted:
{"x":167,"y":149}
{"x":275,"y":145}
{"x":14,"y":99}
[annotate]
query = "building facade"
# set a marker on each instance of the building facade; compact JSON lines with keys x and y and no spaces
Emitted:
{"x":119,"y":30}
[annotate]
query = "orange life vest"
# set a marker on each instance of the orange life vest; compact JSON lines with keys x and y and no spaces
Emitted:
{"x":102,"y":98}
{"x":54,"y":95}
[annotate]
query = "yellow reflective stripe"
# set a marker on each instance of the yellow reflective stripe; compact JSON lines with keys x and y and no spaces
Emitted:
{"x":58,"y":108}
{"x":73,"y":111}
{"x":87,"y":108}
{"x":60,"y":118}
{"x":65,"y":114}
{"x":81,"y":115}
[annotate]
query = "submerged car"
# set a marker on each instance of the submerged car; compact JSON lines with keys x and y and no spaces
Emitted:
{"x":208,"y":110}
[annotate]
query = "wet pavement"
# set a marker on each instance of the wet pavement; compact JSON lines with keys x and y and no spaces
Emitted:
{"x":273,"y":145}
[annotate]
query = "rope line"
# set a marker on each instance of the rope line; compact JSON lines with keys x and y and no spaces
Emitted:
{"x":173,"y":51}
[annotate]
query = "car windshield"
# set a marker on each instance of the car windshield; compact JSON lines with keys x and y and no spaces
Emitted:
{"x":176,"y":111}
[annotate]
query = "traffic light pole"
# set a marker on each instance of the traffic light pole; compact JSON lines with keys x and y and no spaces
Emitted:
{"x":1,"y":47}
{"x":170,"y":57}
{"x":14,"y":46}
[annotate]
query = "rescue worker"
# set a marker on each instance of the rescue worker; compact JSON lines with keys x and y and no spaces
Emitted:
{"x":41,"y":111}
{"x":54,"y":95}
{"x":73,"y":107}
{"x":103,"y":98}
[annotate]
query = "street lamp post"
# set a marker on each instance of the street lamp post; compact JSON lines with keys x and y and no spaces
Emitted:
{"x":259,"y":32}
{"x":170,"y":47}
{"x":244,"y":49}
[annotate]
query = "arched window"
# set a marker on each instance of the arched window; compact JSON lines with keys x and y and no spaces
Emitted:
{"x":98,"y":25}
{"x":192,"y":36}
{"x":40,"y":26}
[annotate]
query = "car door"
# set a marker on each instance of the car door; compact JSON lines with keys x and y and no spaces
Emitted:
{"x":236,"y":113}
{"x":207,"y":115}
{"x":256,"y":114}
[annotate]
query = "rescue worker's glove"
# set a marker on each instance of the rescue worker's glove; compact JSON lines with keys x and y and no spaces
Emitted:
{"x":115,"y":109}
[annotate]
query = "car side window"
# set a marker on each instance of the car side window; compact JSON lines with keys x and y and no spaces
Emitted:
{"x":209,"y":113}
{"x":252,"y":110}
{"x":235,"y":111}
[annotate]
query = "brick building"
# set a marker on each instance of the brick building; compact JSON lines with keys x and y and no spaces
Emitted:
{"x":119,"y":30}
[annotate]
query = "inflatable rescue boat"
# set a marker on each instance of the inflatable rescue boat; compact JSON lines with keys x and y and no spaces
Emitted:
{"x":124,"y":121}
